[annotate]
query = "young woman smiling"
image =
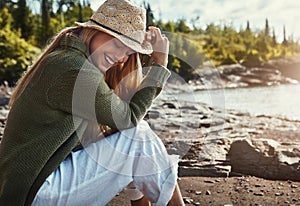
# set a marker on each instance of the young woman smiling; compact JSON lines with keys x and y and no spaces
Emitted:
{"x":75,"y":134}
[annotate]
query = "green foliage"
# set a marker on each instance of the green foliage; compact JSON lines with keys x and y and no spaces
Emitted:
{"x":23,"y":20}
{"x":169,"y":27}
{"x":226,"y":45}
{"x":182,"y":27}
{"x":75,"y":13}
{"x":190,"y":48}
{"x":15,"y":53}
{"x":5,"y":19}
{"x":253,"y":59}
{"x":185,"y":55}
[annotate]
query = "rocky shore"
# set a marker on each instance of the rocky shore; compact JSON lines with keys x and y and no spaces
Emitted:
{"x":227,"y":157}
{"x":275,"y":72}
{"x":219,"y":143}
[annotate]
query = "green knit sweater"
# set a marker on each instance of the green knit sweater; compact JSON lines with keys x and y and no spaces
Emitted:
{"x":45,"y":122}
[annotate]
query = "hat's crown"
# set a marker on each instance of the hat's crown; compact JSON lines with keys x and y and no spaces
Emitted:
{"x":122,"y":17}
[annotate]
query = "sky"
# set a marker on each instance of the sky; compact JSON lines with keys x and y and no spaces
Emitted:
{"x":230,"y":12}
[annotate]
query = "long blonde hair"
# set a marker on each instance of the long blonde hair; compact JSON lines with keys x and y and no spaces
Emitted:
{"x":25,"y":80}
{"x":124,"y":79}
{"x":113,"y":76}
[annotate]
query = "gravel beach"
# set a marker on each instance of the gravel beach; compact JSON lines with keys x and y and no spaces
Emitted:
{"x":247,"y":190}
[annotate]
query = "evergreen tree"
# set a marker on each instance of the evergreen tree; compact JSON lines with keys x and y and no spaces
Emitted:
{"x":181,"y":26}
{"x":76,"y":12}
{"x":274,"y":41}
{"x":284,"y":42}
{"x":267,"y":30}
{"x":149,"y":15}
{"x":169,"y":27}
{"x":44,"y":30}
{"x":248,"y":26}
{"x":23,"y":20}
{"x":80,"y":17}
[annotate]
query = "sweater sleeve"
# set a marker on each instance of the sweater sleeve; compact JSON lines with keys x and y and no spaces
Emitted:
{"x":85,"y":94}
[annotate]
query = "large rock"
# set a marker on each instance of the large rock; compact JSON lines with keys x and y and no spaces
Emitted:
{"x":265,"y":158}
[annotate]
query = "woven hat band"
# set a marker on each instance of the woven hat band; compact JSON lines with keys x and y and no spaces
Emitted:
{"x":108,"y":28}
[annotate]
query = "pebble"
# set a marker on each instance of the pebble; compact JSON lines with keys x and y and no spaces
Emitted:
{"x":278,"y":193}
{"x":208,"y":192}
{"x":188,"y":200}
{"x":259,"y":194}
{"x":294,"y":186}
{"x":237,"y":189}
{"x":246,"y":185}
{"x":198,"y":192}
{"x":209,"y":181}
{"x":196,"y":203}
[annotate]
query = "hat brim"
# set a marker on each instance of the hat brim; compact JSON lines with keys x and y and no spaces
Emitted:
{"x":144,"y":48}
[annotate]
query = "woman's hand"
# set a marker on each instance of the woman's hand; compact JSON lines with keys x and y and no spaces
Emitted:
{"x":160,"y":45}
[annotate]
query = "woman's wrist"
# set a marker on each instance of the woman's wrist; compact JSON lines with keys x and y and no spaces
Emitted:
{"x":161,"y":61}
{"x":163,"y":64}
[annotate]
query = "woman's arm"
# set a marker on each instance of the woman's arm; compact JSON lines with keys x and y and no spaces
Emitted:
{"x":85,"y":93}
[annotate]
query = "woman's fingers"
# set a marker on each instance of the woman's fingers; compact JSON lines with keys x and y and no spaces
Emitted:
{"x":155,"y":33}
{"x":160,"y":45}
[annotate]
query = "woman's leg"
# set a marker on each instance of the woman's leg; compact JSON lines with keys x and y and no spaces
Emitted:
{"x":141,"y":202}
{"x":176,"y":199}
{"x":135,"y":156}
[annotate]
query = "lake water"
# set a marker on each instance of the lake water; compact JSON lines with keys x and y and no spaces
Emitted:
{"x":283,"y":100}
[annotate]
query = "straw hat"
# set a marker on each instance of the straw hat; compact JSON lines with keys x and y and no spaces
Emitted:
{"x":123,"y":20}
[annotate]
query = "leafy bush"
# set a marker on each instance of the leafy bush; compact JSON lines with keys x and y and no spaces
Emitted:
{"x":253,"y":59}
{"x":15,"y":53}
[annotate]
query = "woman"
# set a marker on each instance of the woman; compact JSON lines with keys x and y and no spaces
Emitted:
{"x":74,"y":135}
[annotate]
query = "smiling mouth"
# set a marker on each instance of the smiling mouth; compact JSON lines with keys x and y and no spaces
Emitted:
{"x":109,"y":60}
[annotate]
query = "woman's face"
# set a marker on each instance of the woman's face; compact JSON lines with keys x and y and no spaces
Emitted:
{"x":107,"y":51}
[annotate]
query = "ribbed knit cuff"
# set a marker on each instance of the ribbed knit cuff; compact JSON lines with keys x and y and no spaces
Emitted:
{"x":157,"y":76}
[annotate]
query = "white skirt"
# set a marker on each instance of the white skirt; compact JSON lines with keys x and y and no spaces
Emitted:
{"x":95,"y":174}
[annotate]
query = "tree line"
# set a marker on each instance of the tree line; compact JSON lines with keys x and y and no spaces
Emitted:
{"x":24,"y":33}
